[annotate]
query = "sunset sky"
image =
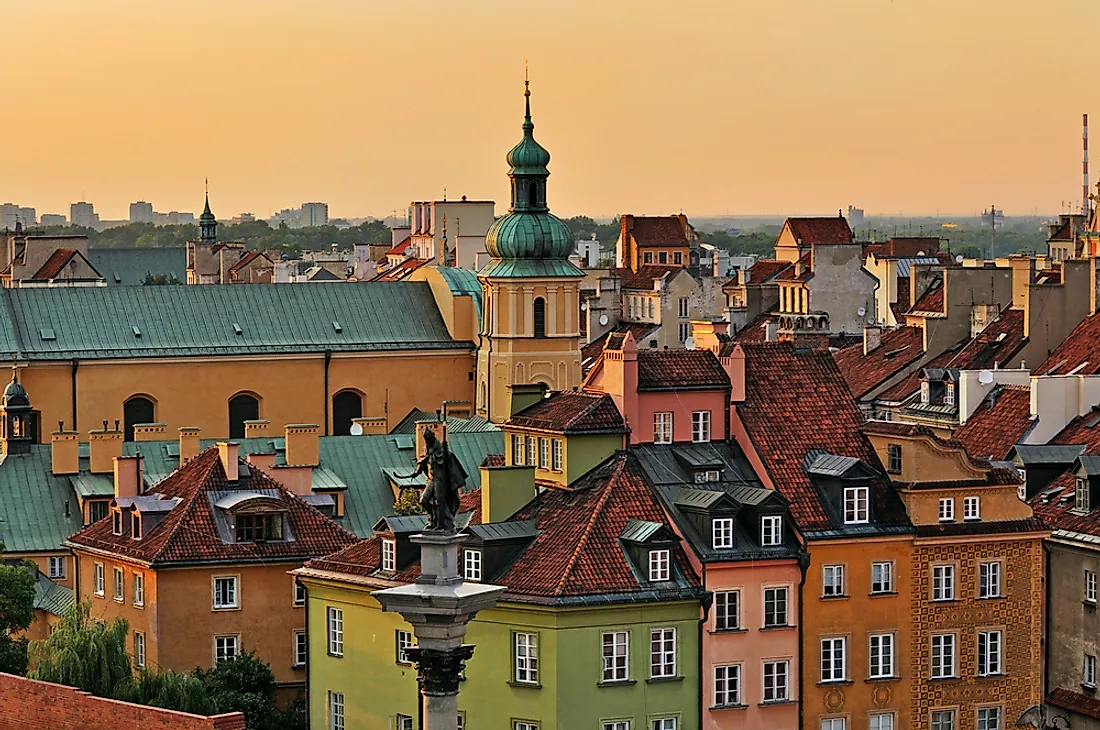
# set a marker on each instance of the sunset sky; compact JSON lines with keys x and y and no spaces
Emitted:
{"x":647,"y":106}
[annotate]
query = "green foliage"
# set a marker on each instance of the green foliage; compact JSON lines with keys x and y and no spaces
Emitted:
{"x":152,"y":279}
{"x":583,"y":227}
{"x":408,"y":503}
{"x":760,"y":243}
{"x":172,"y":691}
{"x":245,"y":684}
{"x":85,"y":653}
{"x":16,"y":614}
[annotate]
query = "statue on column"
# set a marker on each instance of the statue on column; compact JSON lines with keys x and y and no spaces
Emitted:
{"x":445,"y":477}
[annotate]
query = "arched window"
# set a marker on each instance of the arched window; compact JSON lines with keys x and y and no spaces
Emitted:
{"x":346,"y":405}
{"x":136,"y":410}
{"x":533,"y":194}
{"x":242,"y":407}
{"x":540,"y":317}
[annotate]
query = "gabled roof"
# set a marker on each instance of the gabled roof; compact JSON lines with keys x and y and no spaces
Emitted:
{"x":931,"y":302}
{"x":248,"y":258}
{"x":572,"y":412}
{"x":667,"y":370}
{"x":803,"y":271}
{"x":1084,"y":430}
{"x":57,"y":262}
{"x":644,"y":278}
{"x":191,"y":533}
{"x":761,"y":272}
{"x":1055,"y":507}
{"x":129,"y":266}
{"x":657,"y":231}
{"x":999,"y":422}
{"x":38,"y":511}
{"x":810,"y":231}
{"x":1079,"y":353}
{"x":591,"y":352}
{"x":899,"y":348}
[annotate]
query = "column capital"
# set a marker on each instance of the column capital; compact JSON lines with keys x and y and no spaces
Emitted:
{"x":439,"y":669}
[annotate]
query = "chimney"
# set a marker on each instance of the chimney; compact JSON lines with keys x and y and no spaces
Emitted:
{"x":708,"y":334}
{"x":1023,"y":273}
{"x":734,"y":366}
{"x":255,"y":429}
{"x":229,"y":452}
{"x":872,"y":338}
{"x":523,"y":395}
{"x":128,"y":475}
{"x":302,"y":444}
{"x":264,"y":462}
{"x":375,"y":424}
{"x":189,"y":443}
{"x":505,"y":490}
{"x":65,"y":452}
{"x":771,"y":331}
{"x":150,"y":431}
{"x":620,"y":378}
{"x":103,"y":447}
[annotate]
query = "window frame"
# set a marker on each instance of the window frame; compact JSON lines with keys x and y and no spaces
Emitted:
{"x":993,"y":579}
{"x":139,"y":589}
{"x":119,"y":594}
{"x":1088,"y":671}
{"x":660,"y":565}
{"x":472,"y":564}
{"x":893,"y":459}
{"x":389,"y":555}
{"x":984,"y":723}
{"x":783,"y":591}
{"x":871,"y":717}
{"x":828,"y":667}
{"x":557,"y":458}
{"x":235,"y":638}
{"x":525,"y":667}
{"x":730,"y":674}
{"x":722,"y":611}
{"x":990,"y":656}
{"x":335,"y":718}
{"x":884,"y":655}
{"x":721,"y":533}
{"x":616,"y":665}
{"x":771,"y":530}
{"x":519,"y":450}
{"x":938,"y":670}
{"x":662,"y":427}
{"x":700,"y":427}
{"x":532,"y":451}
{"x":857,"y":505}
{"x":660,"y":656}
{"x":943,"y":583}
{"x":235,"y":604}
{"x":885,"y":583}
{"x":1090,"y":586}
{"x":947,"y":509}
{"x":837,"y":571}
{"x":972,"y":509}
{"x":946,"y":715}
{"x":301,"y":651}
{"x":99,"y":586}
{"x":296,"y":588}
{"x":139,"y":650}
{"x":334,"y":631}
{"x":544,"y":453}
{"x":786,"y":684}
{"x":402,"y":641}
{"x":56,"y":567}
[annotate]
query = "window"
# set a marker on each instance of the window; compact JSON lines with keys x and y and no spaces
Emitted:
{"x":539,"y":318}
{"x":682,"y":307}
{"x":242,"y":407}
{"x":684,"y":331}
{"x":721,"y":529}
{"x":989,"y":653}
{"x":1090,"y":586}
{"x":617,"y":725}
{"x":389,"y":555}
{"x":775,"y":607}
{"x":678,"y":257}
{"x":57,"y":567}
{"x":471,"y":564}
{"x":833,"y":582}
{"x":727,"y":685}
{"x":135,"y":526}
{"x":662,"y":428}
{"x":99,"y":579}
{"x":855,"y":505}
{"x":532,"y":455}
{"x":402,"y":722}
{"x":893,"y":458}
{"x":225,"y":592}
{"x":833,"y":655}
{"x":943,"y":720}
{"x":925,"y":392}
{"x":299,"y":594}
{"x":663,"y":723}
{"x":972,"y":508}
{"x":882,"y":577}
{"x":1081,"y":495}
{"x":989,"y":580}
{"x":834,"y":723}
{"x":776,"y":681}
{"x":882,"y":721}
{"x":662,"y":653}
{"x":521,"y":725}
{"x":259,"y":528}
{"x":336,"y":710}
{"x":658,"y":565}
{"x":116,"y":522}
{"x":989,"y":718}
{"x":882,"y":655}
{"x":771,"y":530}
{"x":647,"y":257}
{"x":708,"y":475}
{"x":98,"y":509}
{"x":225,"y":648}
{"x":136,"y":410}
{"x":557,"y":455}
{"x":949,"y":394}
{"x":526,"y":658}
{"x":616,"y":647}
{"x":120,"y":584}
{"x":943,"y":656}
{"x":347,"y":405}
{"x":700,"y":426}
{"x":139,"y":649}
{"x":301,"y":649}
{"x":517,"y":450}
{"x":403,"y":640}
{"x":1088,"y":675}
{"x":943,"y":582}
{"x":139,"y":589}
{"x":662,"y":257}
{"x":947,"y":510}
{"x":335,"y":631}
{"x":544,"y":453}
{"x":727,"y":610}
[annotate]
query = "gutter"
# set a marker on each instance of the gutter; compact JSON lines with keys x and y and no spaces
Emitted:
{"x":706,"y":602}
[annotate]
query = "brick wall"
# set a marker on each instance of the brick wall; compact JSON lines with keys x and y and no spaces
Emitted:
{"x":29,"y":705}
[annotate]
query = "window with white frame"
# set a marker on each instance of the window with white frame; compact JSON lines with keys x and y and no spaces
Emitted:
{"x":525,"y":655}
{"x":856,"y":509}
{"x":617,"y":725}
{"x":517,"y":450}
{"x":616,"y":656}
{"x":1088,"y":674}
{"x":700,"y":426}
{"x":972,"y":508}
{"x":882,"y":577}
{"x":139,"y":589}
{"x":662,"y":653}
{"x":299,"y":594}
{"x":1090,"y":586}
{"x":521,"y":725}
{"x":1081,"y":495}
{"x":947,"y":509}
{"x":225,"y":592}
{"x":335,"y":710}
{"x":832,"y":581}
{"x":775,"y":607}
{"x":777,"y":681}
{"x":557,"y":463}
{"x":139,"y":649}
{"x":225,"y":648}
{"x":662,"y":428}
{"x":882,"y":655}
{"x":532,"y":451}
{"x":57,"y":566}
{"x":943,"y":656}
{"x":403,"y":722}
{"x":99,"y":579}
{"x":403,"y":641}
{"x":943,"y":582}
{"x":683,"y":307}
{"x":659,"y":565}
{"x":834,"y":656}
{"x":544,"y":453}
{"x":949,"y":394}
{"x":893,"y":458}
{"x":989,"y":718}
{"x":663,"y":723}
{"x":834,"y":723}
{"x":301,"y":649}
{"x":727,"y":610}
{"x":989,"y":653}
{"x":335,"y":631}
{"x":389,"y":555}
{"x":120,"y":584}
{"x":727,"y":685}
{"x":471,"y":564}
{"x":116,"y":522}
{"x":882,"y":721}
{"x":771,"y":530}
{"x":721,"y":529}
{"x":989,"y":580}
{"x":943,"y":720}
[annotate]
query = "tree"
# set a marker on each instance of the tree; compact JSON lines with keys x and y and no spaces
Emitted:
{"x":243,"y":684}
{"x":172,"y":691}
{"x":85,"y":653}
{"x":152,"y":279}
{"x":408,"y":503}
{"x":16,"y":614}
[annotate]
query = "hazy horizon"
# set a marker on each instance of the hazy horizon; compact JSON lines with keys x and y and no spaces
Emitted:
{"x":715,"y":108}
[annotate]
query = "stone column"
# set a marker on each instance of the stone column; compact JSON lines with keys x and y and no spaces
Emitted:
{"x":438,"y":673}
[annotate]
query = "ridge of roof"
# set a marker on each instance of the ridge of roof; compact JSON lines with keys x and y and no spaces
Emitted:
{"x":821,"y":230}
{"x":574,"y":411}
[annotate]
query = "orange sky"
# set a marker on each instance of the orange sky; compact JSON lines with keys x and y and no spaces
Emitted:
{"x":649,"y":106}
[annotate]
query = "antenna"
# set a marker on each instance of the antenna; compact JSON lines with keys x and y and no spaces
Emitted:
{"x":1085,"y":165}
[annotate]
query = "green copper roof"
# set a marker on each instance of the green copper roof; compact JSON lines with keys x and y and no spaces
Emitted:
{"x":529,"y":235}
{"x":462,"y":282}
{"x":207,"y":216}
{"x":520,"y":268}
{"x":128,"y":266}
{"x":528,"y":157}
{"x":33,"y":502}
{"x":51,"y":597}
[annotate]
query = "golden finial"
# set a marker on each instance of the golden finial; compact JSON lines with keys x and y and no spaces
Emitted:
{"x":526,"y":79}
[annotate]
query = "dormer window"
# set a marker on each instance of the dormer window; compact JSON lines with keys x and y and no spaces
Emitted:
{"x":708,"y":475}
{"x":893,"y":458}
{"x":947,"y":510}
{"x":972,"y":508}
{"x":659,"y":565}
{"x":389,"y":555}
{"x":116,"y":522}
{"x":722,"y":532}
{"x":856,"y":509}
{"x":1081,"y":501}
{"x":949,"y":394}
{"x":925,"y":392}
{"x":259,"y":527}
{"x":471,"y":565}
{"x":771,"y":530}
{"x":135,"y":526}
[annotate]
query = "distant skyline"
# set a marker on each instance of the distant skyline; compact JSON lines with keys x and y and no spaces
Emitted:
{"x":712,"y":107}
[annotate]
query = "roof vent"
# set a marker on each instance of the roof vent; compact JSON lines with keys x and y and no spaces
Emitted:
{"x":237,"y":329}
{"x":118,"y":278}
{"x":137,"y":332}
{"x":47,"y":334}
{"x":336,"y":327}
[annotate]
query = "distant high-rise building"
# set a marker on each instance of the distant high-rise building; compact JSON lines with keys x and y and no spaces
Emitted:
{"x":855,"y":216}
{"x":243,"y":218}
{"x":83,"y":214}
{"x":28,"y":216}
{"x":141,"y":212}
{"x":54,"y":219}
{"x":290,"y":216}
{"x":313,"y":215}
{"x":10,"y":214}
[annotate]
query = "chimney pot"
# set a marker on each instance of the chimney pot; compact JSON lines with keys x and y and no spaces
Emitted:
{"x":128,"y":475}
{"x":228,"y":452}
{"x":302,"y":444}
{"x":872,"y":338}
{"x":189,"y":443}
{"x":65,"y":452}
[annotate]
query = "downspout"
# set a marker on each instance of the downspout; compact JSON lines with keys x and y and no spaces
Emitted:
{"x":74,"y":366}
{"x":803,"y":566}
{"x":328,"y":359}
{"x":707,"y":598}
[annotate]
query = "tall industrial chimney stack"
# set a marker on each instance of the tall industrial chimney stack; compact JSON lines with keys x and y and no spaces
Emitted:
{"x":1085,"y":166}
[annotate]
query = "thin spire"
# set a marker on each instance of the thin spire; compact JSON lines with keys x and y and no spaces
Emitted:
{"x":15,"y":367}
{"x":527,"y":124}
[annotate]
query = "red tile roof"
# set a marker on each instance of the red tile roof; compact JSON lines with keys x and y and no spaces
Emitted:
{"x":1080,"y":350}
{"x":809,"y":231}
{"x":1000,"y":475}
{"x":803,"y":271}
{"x":1064,"y":233}
{"x":55,"y":264}
{"x":756,"y":330}
{"x":657,"y":231}
{"x":1084,"y":430}
{"x":643,"y":278}
{"x":189,"y":532}
{"x":1074,"y":701}
{"x":591,"y":352}
{"x":247,"y":259}
{"x":660,"y":370}
{"x":760,"y":272}
{"x":796,"y":401}
{"x":930,"y":302}
{"x":572,"y":412}
{"x":998,"y":424}
{"x":899,"y":349}
{"x":1054,"y":506}
{"x":402,"y":270}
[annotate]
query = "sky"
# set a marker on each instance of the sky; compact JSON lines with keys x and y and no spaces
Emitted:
{"x":709,"y":107}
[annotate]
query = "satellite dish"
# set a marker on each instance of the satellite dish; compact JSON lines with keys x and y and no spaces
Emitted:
{"x":959,"y":259}
{"x":921,"y":253}
{"x":985,"y":377}
{"x":356,"y":429}
{"x":689,"y":343}
{"x":584,"y":306}
{"x":861,"y":311}
{"x":603,"y":319}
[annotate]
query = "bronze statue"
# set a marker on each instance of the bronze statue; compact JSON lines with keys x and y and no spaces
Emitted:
{"x":445,"y":477}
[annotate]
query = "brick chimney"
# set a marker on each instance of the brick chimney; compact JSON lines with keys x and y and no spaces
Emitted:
{"x":65,"y":452}
{"x":708,"y":334}
{"x":189,"y":443}
{"x":150,"y":431}
{"x":620,"y":378}
{"x":505,"y":490}
{"x":103,"y":447}
{"x":256,"y":429}
{"x":376,"y":424}
{"x":872,"y":338}
{"x":734,"y":366}
{"x":128,"y":475}
{"x":302,"y":444}
{"x":229,"y":453}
